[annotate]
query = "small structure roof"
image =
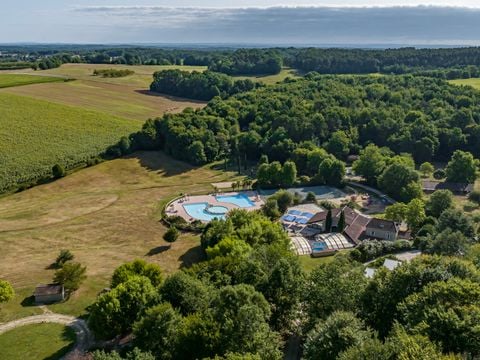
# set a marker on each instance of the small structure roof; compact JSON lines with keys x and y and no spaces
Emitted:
{"x":381,"y":224}
{"x":430,"y":186}
{"x":48,"y":289}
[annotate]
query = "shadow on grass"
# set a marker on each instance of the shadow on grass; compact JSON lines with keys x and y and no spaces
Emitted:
{"x":68,"y":334}
{"x":192,"y":256}
{"x":158,"y":161}
{"x":169,"y":97}
{"x":158,"y":250}
{"x":28,"y":301}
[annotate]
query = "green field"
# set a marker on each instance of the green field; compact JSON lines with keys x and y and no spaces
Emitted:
{"x":474,"y":82}
{"x":40,"y":341}
{"x":37,"y":134}
{"x":10,"y":80}
{"x":271,"y":79}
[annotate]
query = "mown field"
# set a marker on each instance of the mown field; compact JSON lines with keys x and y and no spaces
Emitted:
{"x":272,"y":79}
{"x":126,"y":97}
{"x":474,"y":82}
{"x":10,"y":80}
{"x":106,"y":215}
{"x":37,"y":134}
{"x":39,"y":341}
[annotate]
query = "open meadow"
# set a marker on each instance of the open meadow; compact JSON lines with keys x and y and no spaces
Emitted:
{"x":38,"y":134}
{"x":473,"y":82}
{"x":271,"y":79}
{"x":106,"y":215}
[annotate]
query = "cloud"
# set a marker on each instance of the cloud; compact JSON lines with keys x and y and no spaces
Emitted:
{"x":290,"y":24}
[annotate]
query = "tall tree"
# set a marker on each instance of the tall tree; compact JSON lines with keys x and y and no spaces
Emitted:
{"x":461,"y":168}
{"x":370,"y":164}
{"x":328,"y":221}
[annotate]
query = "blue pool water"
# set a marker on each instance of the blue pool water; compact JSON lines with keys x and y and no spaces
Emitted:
{"x":200,"y":211}
{"x":319,"y":246}
{"x":241,"y":200}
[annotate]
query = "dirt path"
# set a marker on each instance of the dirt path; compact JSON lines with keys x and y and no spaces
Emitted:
{"x":85,"y":338}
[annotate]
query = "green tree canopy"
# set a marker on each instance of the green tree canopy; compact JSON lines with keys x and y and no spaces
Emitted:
{"x":334,"y":335}
{"x":461,"y":168}
{"x":137,"y":268}
{"x":448,"y":312}
{"x":438,"y":202}
{"x":6,"y":291}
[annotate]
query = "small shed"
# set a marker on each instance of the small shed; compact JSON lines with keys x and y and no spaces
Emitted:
{"x":49,"y":293}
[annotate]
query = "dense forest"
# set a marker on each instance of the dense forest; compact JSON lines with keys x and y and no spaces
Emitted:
{"x":357,"y":61}
{"x":248,"y":62}
{"x":256,"y":61}
{"x":425,"y":117}
{"x":198,"y":85}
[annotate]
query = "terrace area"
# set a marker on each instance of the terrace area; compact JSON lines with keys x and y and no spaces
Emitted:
{"x":205,"y":208}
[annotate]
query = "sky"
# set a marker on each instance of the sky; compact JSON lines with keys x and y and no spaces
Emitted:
{"x":261,"y":22}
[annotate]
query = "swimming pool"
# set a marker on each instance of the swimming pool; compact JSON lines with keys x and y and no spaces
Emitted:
{"x":241,"y":200}
{"x":319,"y":246}
{"x":201,"y":211}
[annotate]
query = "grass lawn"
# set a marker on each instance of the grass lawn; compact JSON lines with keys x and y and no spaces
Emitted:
{"x":39,"y":341}
{"x":309,"y":263}
{"x":106,"y":215}
{"x":10,"y":80}
{"x":271,"y":79}
{"x":474,"y":82}
{"x":35,"y":135}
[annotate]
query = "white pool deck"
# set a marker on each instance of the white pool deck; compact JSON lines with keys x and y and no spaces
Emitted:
{"x":175,"y":208}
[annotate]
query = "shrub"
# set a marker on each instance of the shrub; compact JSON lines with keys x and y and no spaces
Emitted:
{"x":58,"y":171}
{"x":64,"y":256}
{"x":439,"y":174}
{"x":311,"y":198}
{"x":171,"y":235}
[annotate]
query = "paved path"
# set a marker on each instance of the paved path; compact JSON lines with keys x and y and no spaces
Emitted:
{"x":85,"y":338}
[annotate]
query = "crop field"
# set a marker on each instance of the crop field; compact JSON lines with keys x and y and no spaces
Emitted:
{"x":142,"y":77}
{"x":126,"y":97}
{"x":10,"y":80}
{"x":474,"y":82}
{"x":39,"y":341}
{"x":37,"y":134}
{"x":106,"y":215}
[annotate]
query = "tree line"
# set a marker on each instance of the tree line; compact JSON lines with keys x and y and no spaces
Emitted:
{"x":112,"y":73}
{"x":249,"y":62}
{"x":359,"y":61}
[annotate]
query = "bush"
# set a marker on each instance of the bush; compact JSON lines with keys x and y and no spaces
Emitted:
{"x":58,"y":171}
{"x":171,"y":235}
{"x":439,"y":174}
{"x":311,"y":198}
{"x":328,"y":205}
{"x":372,"y":249}
{"x":64,"y":256}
